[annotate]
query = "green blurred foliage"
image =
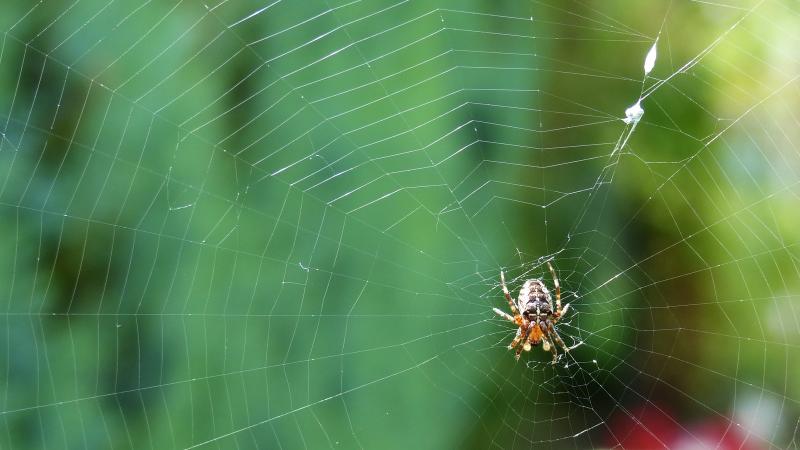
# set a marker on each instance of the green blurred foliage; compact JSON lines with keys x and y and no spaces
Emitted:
{"x":285,"y":230}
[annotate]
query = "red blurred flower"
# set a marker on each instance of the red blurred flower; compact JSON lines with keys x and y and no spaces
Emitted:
{"x":649,"y":427}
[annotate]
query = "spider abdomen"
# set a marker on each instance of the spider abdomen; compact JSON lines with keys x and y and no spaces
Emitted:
{"x":534,"y":299}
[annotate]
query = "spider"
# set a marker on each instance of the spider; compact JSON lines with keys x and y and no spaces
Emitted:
{"x":536,"y":322}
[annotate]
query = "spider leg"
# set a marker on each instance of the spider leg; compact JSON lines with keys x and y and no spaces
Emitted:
{"x":552,"y":331}
{"x":504,"y":315}
{"x":522,"y":336}
{"x":563,"y":311}
{"x":547,"y":346}
{"x":508,"y":296}
{"x":528,"y":340}
{"x":559,"y":312}
{"x":516,"y":340}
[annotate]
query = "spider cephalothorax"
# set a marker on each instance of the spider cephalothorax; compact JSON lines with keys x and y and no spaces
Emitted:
{"x":534,"y":315}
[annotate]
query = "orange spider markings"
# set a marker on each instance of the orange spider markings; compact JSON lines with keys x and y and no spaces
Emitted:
{"x":536,"y":334}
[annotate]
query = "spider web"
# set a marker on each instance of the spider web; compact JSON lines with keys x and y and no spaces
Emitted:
{"x":282,"y":224}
